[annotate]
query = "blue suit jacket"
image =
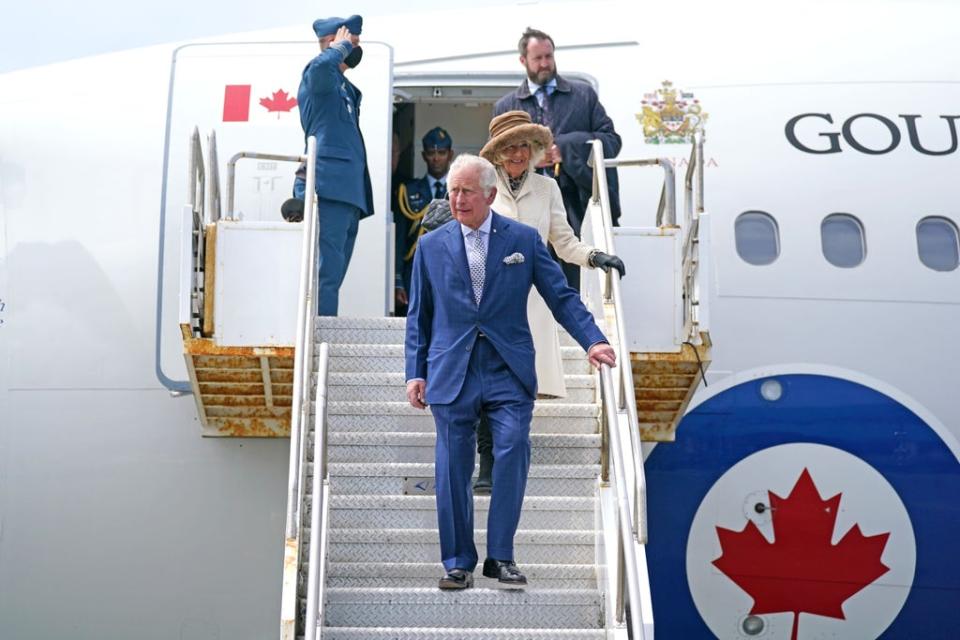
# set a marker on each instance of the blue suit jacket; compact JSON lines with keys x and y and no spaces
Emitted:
{"x":443,"y":320}
{"x":330,"y":110}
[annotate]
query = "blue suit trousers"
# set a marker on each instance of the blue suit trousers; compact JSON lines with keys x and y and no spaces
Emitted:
{"x":339,"y":222}
{"x":490,"y":387}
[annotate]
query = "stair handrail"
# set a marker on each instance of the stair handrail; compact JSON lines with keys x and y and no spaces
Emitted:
{"x":302,"y":367}
{"x":306,"y":315}
{"x":628,"y":399}
{"x":251,"y":155}
{"x":627,"y":572}
{"x":317,"y":565}
{"x":694,"y":311}
{"x":196,"y":179}
{"x":213,"y":170}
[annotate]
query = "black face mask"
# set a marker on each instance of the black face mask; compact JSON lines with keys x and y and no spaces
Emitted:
{"x":354,"y":58}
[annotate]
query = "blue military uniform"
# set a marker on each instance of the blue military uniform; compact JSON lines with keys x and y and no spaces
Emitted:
{"x":330,"y":110}
{"x":413,"y":197}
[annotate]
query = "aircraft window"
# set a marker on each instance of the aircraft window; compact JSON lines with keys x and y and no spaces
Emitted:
{"x":937,"y":244}
{"x":842,"y":239}
{"x":757,"y":237}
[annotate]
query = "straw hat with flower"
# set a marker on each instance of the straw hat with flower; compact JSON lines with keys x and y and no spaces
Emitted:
{"x":514,"y":127}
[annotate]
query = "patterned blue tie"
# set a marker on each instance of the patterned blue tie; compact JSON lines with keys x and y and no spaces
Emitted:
{"x":478,"y":266}
{"x":542,"y":94}
{"x":439,"y":193}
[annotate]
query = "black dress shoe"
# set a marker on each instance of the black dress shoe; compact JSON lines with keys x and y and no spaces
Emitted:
{"x":506,"y":572}
{"x":456,"y":579}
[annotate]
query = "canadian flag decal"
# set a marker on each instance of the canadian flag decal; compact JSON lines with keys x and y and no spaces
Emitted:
{"x":236,"y":102}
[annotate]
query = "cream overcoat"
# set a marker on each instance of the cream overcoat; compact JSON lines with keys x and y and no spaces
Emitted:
{"x":540,"y":205}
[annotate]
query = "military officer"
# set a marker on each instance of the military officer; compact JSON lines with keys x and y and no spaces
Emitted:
{"x":413,"y":197}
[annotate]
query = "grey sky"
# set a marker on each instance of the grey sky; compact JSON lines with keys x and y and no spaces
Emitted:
{"x":44,"y":31}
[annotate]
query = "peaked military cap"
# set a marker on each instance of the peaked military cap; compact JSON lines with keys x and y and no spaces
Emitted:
{"x":328,"y":26}
{"x":437,"y":138}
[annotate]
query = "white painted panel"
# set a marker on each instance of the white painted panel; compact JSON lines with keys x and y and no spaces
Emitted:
{"x":256,"y":283}
{"x":650,"y":292}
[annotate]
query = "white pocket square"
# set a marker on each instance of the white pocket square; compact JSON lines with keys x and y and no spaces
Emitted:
{"x":513,"y":258}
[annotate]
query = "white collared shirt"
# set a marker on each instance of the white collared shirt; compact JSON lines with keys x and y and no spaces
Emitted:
{"x":534,"y":87}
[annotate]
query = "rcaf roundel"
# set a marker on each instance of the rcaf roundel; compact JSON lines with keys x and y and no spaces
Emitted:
{"x":831,"y":511}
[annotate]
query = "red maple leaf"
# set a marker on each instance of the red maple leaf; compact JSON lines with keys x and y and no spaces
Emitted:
{"x":279,"y":102}
{"x":801,"y":571}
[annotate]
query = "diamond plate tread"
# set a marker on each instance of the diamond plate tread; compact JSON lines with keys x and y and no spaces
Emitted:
{"x":391,"y":387}
{"x":422,"y":545}
{"x":344,"y":330}
{"x":423,"y":422}
{"x":388,"y":479}
{"x":390,"y":357}
{"x":477,"y":607}
{"x":540,"y":409}
{"x":457,"y":633}
{"x":426,"y":574}
{"x":419,"y":447}
{"x":419,"y":512}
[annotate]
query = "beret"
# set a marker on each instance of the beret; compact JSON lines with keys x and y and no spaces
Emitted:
{"x":328,"y":26}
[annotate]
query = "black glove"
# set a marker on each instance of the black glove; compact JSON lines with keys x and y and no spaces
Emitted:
{"x":292,"y":210}
{"x":605,"y":261}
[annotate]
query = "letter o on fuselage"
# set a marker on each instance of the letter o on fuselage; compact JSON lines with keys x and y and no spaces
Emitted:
{"x":847,"y":130}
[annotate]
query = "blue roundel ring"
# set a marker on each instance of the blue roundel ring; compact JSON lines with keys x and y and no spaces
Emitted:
{"x":739,"y":421}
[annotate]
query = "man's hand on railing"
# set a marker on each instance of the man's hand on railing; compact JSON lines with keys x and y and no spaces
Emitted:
{"x":600,"y":353}
{"x":417,"y":393}
{"x":605,"y":261}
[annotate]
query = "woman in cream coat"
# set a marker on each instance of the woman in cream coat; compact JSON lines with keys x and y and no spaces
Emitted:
{"x":516,"y":146}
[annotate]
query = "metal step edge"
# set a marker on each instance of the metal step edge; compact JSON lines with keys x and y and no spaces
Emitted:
{"x":480,"y":503}
{"x":398,"y":379}
{"x":373,"y":596}
{"x":433,"y":570}
{"x":429,"y":536}
{"x":448,"y":633}
{"x":364,"y":350}
{"x":426,"y":470}
{"x":387,"y":407}
{"x":401,"y":439}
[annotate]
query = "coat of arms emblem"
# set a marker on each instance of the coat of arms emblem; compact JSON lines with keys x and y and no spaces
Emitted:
{"x":670,"y":116}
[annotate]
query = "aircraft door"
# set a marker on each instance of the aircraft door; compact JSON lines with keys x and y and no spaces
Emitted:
{"x":247,"y":94}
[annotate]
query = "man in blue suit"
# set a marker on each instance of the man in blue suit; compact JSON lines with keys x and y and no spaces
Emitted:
{"x":330,"y":110}
{"x":469,"y":350}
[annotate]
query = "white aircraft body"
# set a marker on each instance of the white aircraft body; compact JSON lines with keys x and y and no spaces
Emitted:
{"x":831,"y":181}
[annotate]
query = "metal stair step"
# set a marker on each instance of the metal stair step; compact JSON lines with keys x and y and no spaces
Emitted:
{"x":345,"y":330}
{"x":422,"y":545}
{"x":477,"y":607}
{"x":403,"y":408}
{"x":425,"y":575}
{"x":374,"y":358}
{"x":391,"y":479}
{"x":457,"y":633}
{"x":419,"y":447}
{"x":422,"y":421}
{"x":420,"y":512}
{"x":390,"y":386}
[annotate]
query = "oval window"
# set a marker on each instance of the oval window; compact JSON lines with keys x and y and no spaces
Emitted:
{"x":937,"y":243}
{"x":842,"y":240}
{"x":757,"y":237}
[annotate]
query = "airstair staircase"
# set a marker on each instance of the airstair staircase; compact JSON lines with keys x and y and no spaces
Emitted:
{"x":361,"y":557}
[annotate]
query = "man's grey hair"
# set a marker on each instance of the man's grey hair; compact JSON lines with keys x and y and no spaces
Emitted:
{"x":485,"y":170}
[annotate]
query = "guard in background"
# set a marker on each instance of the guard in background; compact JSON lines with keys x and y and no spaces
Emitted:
{"x":330,"y":110}
{"x":413,"y":197}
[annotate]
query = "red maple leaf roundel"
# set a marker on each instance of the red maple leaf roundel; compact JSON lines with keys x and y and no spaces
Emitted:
{"x":801,"y":571}
{"x":279,"y":102}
